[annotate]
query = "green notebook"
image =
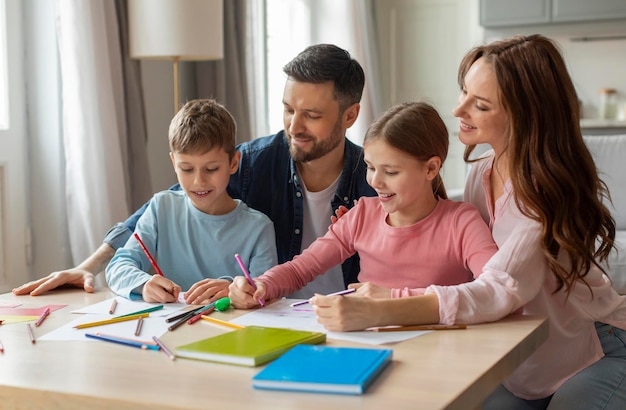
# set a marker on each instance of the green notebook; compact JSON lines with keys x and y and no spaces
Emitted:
{"x":250,"y":346}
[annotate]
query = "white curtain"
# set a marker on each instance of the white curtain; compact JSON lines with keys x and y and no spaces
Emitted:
{"x":351,"y":24}
{"x":93,"y":120}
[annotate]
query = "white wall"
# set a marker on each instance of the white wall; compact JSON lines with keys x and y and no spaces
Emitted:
{"x":592,"y":64}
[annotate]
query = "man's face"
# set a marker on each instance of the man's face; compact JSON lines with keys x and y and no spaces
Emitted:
{"x":312,"y":121}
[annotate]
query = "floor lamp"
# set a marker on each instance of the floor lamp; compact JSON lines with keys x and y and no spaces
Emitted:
{"x":177,"y":30}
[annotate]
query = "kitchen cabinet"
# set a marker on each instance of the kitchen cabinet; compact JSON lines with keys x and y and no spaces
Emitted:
{"x":508,"y":13}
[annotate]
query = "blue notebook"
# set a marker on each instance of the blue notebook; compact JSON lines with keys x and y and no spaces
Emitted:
{"x":324,"y":369}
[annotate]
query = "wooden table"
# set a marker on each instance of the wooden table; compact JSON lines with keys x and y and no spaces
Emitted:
{"x":453,"y":369}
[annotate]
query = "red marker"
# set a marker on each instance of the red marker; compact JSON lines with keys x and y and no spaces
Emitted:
{"x":152,"y":261}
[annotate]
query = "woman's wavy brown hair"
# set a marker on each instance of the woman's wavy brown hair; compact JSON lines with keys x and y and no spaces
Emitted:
{"x":555,"y":180}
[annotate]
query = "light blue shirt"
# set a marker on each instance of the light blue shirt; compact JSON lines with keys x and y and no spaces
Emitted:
{"x":190,"y":245}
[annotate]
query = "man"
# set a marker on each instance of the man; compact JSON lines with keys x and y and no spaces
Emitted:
{"x":297,"y":177}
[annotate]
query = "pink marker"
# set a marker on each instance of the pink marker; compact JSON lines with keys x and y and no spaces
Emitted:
{"x":245,"y":272}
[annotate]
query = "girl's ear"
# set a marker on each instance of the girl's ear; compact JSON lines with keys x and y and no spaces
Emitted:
{"x":434,"y":165}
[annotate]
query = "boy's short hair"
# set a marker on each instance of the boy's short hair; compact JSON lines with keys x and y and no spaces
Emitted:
{"x":201,"y":125}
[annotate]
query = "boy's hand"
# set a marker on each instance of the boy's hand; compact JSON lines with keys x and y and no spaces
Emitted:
{"x":243,"y":296}
{"x":207,"y":291}
{"x":160,"y":290}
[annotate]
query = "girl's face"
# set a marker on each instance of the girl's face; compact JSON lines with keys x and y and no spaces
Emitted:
{"x":204,"y":178}
{"x":483,"y":119}
{"x":403,"y":183}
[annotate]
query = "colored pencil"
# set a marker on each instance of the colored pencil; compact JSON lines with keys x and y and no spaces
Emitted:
{"x":113,"y":306}
{"x":122,"y":341}
{"x":146,"y":342}
{"x":109,"y":321}
{"x":139,"y":312}
{"x":30,"y":333}
{"x":139,"y":324}
{"x":145,"y":250}
{"x":191,"y":314}
{"x":222,"y":322}
{"x":417,"y":327}
{"x":199,"y":315}
{"x":167,"y":351}
{"x":180,"y":315}
{"x":341,"y":292}
{"x":43,"y":316}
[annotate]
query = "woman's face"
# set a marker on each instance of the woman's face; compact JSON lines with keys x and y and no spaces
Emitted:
{"x":483,"y":119}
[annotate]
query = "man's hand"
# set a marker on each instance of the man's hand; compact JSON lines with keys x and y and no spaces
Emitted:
{"x":79,"y":278}
{"x":341,"y":211}
{"x":82,"y":276}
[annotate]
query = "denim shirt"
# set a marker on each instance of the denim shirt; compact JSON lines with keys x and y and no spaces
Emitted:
{"x":267,"y":181}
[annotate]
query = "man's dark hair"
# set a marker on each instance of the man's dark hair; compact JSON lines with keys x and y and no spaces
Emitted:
{"x":321,"y":63}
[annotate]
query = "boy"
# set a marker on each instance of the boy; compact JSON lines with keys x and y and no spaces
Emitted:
{"x":197,"y":231}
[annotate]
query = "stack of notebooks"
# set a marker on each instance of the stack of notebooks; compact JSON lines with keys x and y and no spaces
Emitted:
{"x":250,"y":346}
{"x":324,"y":369}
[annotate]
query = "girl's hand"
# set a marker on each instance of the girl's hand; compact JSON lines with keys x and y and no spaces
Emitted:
{"x":161,"y":290}
{"x":243,"y":296}
{"x":345,"y":313}
{"x":370,"y":290}
{"x":207,"y":291}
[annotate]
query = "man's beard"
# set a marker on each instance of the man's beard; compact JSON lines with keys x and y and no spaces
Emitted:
{"x":319,"y":149}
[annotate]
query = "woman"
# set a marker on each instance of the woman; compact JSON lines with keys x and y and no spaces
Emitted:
{"x":540,"y":193}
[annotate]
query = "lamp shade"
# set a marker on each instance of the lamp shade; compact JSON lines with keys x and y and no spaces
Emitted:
{"x":176,"y":29}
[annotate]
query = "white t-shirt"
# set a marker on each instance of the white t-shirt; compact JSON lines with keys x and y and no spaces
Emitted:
{"x":317,"y":212}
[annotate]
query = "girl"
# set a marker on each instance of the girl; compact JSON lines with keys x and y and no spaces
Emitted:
{"x":409,"y":225}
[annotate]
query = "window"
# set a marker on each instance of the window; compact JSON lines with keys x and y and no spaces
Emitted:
{"x":288,"y":33}
{"x":4,"y":84}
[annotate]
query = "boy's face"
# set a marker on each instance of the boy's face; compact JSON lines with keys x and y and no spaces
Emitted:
{"x":204,"y":178}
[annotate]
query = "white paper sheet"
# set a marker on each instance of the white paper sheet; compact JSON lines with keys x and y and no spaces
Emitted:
{"x":152,"y":326}
{"x":126,"y":306}
{"x":280,"y":314}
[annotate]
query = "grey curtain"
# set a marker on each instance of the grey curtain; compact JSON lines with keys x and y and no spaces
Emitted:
{"x":134,"y":154}
{"x":225,"y":80}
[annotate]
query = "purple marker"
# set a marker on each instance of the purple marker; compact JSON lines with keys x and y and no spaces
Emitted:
{"x":341,"y":292}
{"x":247,"y":274}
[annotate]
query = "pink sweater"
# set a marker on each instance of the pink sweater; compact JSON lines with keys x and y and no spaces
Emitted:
{"x":573,"y":343}
{"x":444,"y":248}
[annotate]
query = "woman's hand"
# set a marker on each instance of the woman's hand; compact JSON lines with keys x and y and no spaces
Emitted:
{"x":345,"y":313}
{"x":370,"y":290}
